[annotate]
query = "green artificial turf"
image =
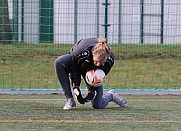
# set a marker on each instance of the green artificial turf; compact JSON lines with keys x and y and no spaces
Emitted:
{"x":45,"y":113}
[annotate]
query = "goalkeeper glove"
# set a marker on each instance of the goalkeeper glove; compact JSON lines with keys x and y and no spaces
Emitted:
{"x":91,"y":95}
{"x":78,"y":95}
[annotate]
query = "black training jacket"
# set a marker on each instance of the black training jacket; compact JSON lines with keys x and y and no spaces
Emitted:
{"x":82,"y":59}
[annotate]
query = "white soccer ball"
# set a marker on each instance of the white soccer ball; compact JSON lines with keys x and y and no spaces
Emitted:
{"x":95,"y":77}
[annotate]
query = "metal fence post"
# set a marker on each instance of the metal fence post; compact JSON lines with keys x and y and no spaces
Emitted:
{"x":106,"y":19}
{"x":119,"y":24}
{"x":162,"y":21}
{"x":75,"y":20}
{"x":141,"y":21}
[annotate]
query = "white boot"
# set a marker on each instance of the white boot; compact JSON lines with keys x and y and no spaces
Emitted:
{"x":70,"y":104}
{"x":118,"y":99}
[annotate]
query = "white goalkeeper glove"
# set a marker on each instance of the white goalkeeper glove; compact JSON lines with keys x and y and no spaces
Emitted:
{"x":78,"y":95}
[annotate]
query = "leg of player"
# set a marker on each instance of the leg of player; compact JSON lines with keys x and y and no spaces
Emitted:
{"x":62,"y":68}
{"x":101,"y":101}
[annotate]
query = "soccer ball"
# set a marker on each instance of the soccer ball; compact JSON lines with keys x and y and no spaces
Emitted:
{"x":95,"y":77}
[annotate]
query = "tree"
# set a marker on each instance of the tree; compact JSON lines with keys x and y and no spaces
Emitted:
{"x":5,"y":26}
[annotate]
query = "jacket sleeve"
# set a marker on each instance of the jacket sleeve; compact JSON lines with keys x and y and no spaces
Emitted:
{"x":77,"y":61}
{"x":108,"y":64}
{"x":75,"y":76}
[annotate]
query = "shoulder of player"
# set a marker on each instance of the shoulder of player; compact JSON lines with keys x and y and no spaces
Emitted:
{"x":84,"y":54}
{"x":88,"y":42}
{"x":110,"y":59}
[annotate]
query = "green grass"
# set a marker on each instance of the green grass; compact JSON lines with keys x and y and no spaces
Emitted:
{"x":30,"y":66}
{"x":45,"y":113}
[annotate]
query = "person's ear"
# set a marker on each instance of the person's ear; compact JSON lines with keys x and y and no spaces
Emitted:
{"x":93,"y":52}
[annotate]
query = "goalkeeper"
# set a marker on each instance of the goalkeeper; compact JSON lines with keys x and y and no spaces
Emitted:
{"x":85,"y":55}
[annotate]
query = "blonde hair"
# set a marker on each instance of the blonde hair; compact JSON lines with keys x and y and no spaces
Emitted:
{"x":102,"y":49}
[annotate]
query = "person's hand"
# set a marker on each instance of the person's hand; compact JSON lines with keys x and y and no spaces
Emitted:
{"x":78,"y":95}
{"x":91,"y":95}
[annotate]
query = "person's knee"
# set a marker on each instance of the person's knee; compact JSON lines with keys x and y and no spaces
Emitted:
{"x":97,"y":107}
